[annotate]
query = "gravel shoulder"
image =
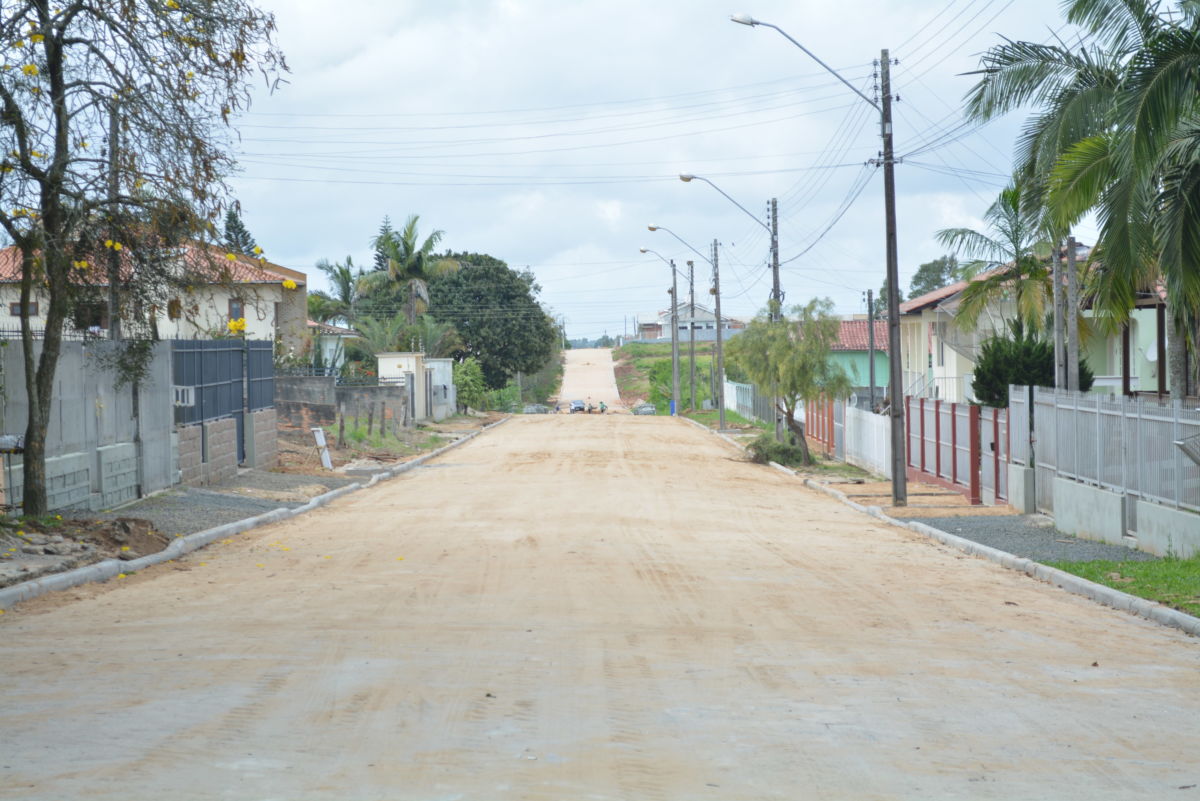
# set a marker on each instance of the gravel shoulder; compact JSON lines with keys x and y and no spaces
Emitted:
{"x":1032,"y":537}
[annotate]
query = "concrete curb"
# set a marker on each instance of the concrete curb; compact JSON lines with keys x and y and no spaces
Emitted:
{"x":1076,"y":585}
{"x":111,"y":568}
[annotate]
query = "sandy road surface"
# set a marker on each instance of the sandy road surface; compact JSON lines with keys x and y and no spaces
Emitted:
{"x":588,"y":376}
{"x":586,"y":607}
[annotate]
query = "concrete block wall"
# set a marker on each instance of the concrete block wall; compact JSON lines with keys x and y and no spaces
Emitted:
{"x":116,"y":475}
{"x":68,"y":481}
{"x":191,"y":455}
{"x":220,"y":450}
{"x":262,"y":441}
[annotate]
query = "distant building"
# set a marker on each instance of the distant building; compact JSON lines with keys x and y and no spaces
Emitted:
{"x":704,"y":322}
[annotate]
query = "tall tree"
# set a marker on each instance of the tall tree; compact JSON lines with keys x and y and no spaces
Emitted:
{"x":166,"y":78}
{"x":496,"y":313}
{"x":935,"y":274}
{"x":411,"y":262}
{"x":794,"y":353}
{"x":881,"y":302}
{"x":237,"y":237}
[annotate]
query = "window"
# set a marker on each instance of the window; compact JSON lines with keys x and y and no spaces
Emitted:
{"x":14,"y":309}
{"x":91,"y":316}
{"x":237,"y":309}
{"x":941,"y":350}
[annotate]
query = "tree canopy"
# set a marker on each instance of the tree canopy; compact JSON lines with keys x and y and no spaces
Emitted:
{"x":942,"y":271}
{"x":238,"y":238}
{"x":793,"y":355}
{"x":497,"y":316}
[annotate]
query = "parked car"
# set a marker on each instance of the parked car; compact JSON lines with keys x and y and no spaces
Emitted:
{"x":578,"y":406}
{"x":644,"y":408}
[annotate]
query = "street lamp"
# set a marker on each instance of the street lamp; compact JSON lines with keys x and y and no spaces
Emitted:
{"x":719,"y":389}
{"x":674,"y":331}
{"x":776,"y":304}
{"x":895,"y":378}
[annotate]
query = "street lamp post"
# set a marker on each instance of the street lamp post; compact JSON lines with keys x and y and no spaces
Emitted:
{"x":719,"y":389}
{"x":692,"y":333}
{"x":674,"y":332}
{"x":776,"y":303}
{"x":895,"y":378}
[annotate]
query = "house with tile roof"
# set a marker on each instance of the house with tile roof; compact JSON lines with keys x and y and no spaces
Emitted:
{"x":852,"y":353}
{"x":938,"y":355}
{"x":214,"y":288}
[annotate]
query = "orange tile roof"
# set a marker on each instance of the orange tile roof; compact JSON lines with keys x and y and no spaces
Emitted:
{"x":204,"y":260}
{"x":938,"y":295}
{"x":854,"y":336}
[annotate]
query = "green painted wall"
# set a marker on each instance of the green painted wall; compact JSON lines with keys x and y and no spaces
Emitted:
{"x":857,"y":366}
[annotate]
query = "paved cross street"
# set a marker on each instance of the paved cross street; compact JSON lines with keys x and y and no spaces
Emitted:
{"x":586,"y":606}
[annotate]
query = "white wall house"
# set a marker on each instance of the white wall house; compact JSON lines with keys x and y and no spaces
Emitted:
{"x":704,"y":321}
{"x":330,"y":342}
{"x":270,"y":298}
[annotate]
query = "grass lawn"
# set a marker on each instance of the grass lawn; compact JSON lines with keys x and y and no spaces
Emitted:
{"x":1171,"y":581}
{"x":732,"y":418}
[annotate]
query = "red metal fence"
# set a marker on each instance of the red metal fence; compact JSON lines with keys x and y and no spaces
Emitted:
{"x":959,"y":446}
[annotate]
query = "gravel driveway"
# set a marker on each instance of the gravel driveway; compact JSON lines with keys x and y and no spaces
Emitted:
{"x":1032,"y":537}
{"x":189,"y":509}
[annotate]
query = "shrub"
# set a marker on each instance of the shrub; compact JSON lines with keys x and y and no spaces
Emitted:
{"x":765,"y":449}
{"x":1019,"y":358}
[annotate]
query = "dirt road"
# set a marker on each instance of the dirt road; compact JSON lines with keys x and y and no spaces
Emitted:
{"x":589,"y":377}
{"x":576,"y":607}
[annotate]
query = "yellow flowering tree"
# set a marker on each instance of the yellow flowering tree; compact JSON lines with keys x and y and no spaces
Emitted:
{"x":161,"y":81}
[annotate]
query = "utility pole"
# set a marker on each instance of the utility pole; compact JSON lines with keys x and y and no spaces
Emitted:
{"x":895,"y":377}
{"x":114,"y":257}
{"x":1060,"y":354}
{"x":674,"y":342}
{"x":1073,"y":319}
{"x":871,"y":342}
{"x":776,"y":306}
{"x":720,"y":382}
{"x":692,"y":332}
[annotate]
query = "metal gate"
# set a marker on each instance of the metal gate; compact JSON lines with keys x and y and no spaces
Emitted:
{"x":226,"y":378}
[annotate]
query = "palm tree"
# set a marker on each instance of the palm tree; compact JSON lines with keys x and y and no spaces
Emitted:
{"x":341,"y":302}
{"x":382,"y":334}
{"x":435,"y":339}
{"x":1118,"y":133}
{"x":1016,"y":238}
{"x":409,"y":263}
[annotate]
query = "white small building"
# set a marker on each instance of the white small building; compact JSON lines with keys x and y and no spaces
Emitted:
{"x":329,"y":344}
{"x":703,"y":322}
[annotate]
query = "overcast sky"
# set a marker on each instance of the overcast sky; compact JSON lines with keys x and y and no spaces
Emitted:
{"x":549,"y":133}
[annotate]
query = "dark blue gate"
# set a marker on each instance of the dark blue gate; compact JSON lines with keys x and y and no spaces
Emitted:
{"x":226,"y":377}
